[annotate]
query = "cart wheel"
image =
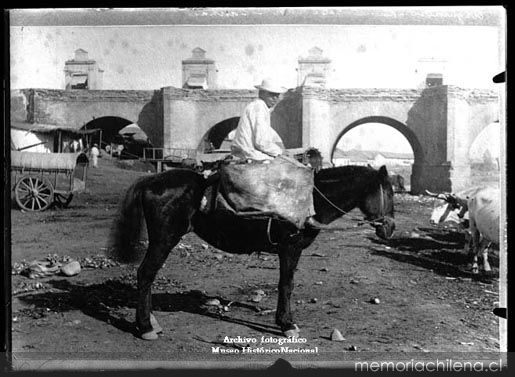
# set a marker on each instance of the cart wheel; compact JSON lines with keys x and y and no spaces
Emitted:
{"x":62,"y":200}
{"x":34,"y":193}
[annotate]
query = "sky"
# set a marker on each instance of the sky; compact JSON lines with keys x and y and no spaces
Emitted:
{"x":385,"y":138}
{"x":148,"y":57}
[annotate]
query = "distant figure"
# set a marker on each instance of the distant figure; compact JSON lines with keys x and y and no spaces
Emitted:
{"x":74,"y":146}
{"x":66,"y":147}
{"x":397,"y":182}
{"x":94,"y":153}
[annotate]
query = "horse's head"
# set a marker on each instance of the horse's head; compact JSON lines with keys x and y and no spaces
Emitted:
{"x":313,"y":158}
{"x":378,"y":205}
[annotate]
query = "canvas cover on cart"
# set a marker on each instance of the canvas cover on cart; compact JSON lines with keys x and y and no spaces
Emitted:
{"x":46,"y":161}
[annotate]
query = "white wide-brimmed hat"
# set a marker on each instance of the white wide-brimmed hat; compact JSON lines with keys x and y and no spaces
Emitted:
{"x":271,"y":86}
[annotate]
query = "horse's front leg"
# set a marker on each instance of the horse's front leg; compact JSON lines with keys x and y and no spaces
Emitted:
{"x":288,"y":259}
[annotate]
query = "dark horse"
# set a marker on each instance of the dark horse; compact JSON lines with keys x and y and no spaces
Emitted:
{"x":170,"y":203}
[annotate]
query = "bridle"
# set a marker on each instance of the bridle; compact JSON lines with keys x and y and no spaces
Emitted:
{"x":379,"y":221}
{"x":373,"y":222}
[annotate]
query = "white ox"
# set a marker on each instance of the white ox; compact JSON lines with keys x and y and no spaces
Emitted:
{"x":483,"y":208}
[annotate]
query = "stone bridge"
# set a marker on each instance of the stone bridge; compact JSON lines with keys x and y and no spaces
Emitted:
{"x":440,"y":122}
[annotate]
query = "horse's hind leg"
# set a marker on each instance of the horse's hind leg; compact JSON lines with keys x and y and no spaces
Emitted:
{"x":288,"y":259}
{"x":147,"y":271}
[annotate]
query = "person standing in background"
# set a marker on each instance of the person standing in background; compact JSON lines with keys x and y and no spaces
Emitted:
{"x":94,"y":153}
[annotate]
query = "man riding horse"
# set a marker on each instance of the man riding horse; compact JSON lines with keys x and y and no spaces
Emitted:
{"x":256,"y":142}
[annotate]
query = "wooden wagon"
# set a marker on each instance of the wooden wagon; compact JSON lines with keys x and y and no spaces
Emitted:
{"x":166,"y":158}
{"x":39,"y":180}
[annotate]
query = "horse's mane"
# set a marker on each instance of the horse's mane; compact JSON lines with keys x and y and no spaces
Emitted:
{"x":347,"y":172}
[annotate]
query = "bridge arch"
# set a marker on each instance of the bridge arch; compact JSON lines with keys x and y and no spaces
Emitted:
{"x":215,"y":136}
{"x":110,"y":126}
{"x":484,"y":153}
{"x":415,"y":144}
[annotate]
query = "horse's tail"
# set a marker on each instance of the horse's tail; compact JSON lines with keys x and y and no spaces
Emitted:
{"x":123,"y":245}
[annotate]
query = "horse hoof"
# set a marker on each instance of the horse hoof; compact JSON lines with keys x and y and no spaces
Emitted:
{"x":151,"y":335}
{"x":292,"y":333}
{"x":155,"y":325}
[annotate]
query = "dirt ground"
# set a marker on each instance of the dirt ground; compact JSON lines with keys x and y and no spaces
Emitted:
{"x":427,"y":300}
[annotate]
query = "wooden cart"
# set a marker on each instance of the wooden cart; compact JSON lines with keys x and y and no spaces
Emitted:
{"x":39,"y":180}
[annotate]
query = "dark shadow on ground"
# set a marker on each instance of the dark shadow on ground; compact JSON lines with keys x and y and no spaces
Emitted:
{"x":102,"y":301}
{"x":436,"y":249}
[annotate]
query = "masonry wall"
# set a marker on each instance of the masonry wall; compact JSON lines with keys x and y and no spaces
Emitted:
{"x":423,"y":116}
{"x":469,"y":112}
{"x":189,"y":114}
{"x":440,"y":122}
{"x":76,"y":108}
{"x":20,"y":100}
{"x":287,"y":120}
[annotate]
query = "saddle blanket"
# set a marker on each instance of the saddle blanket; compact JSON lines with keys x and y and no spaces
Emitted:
{"x":283,"y":188}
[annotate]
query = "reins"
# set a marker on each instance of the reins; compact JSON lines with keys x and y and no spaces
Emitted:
{"x":329,"y":201}
{"x":361,"y":222}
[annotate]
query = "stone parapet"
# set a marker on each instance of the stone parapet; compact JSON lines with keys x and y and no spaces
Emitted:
{"x":92,"y":95}
{"x":353,"y":95}
{"x":209,"y":95}
{"x":473,"y":95}
{"x":387,"y":94}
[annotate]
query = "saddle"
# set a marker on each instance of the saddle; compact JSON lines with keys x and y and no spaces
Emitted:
{"x":281,"y":188}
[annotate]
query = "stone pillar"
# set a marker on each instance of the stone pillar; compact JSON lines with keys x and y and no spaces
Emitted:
{"x":178,"y":117}
{"x":428,"y":120}
{"x":82,"y":72}
{"x":286,"y":119}
{"x":188,"y":115}
{"x":432,"y":177}
{"x":316,"y":123}
{"x":313,"y":70}
{"x":446,"y":120}
{"x":198,"y":72}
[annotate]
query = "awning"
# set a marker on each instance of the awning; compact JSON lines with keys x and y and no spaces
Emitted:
{"x":50,"y":128}
{"x":134,"y":131}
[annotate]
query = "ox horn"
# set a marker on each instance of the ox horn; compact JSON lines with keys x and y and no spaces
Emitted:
{"x":438,"y":196}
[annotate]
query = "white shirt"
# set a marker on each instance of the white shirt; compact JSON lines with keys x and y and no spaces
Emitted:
{"x":254,"y":137}
{"x":95,"y":152}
